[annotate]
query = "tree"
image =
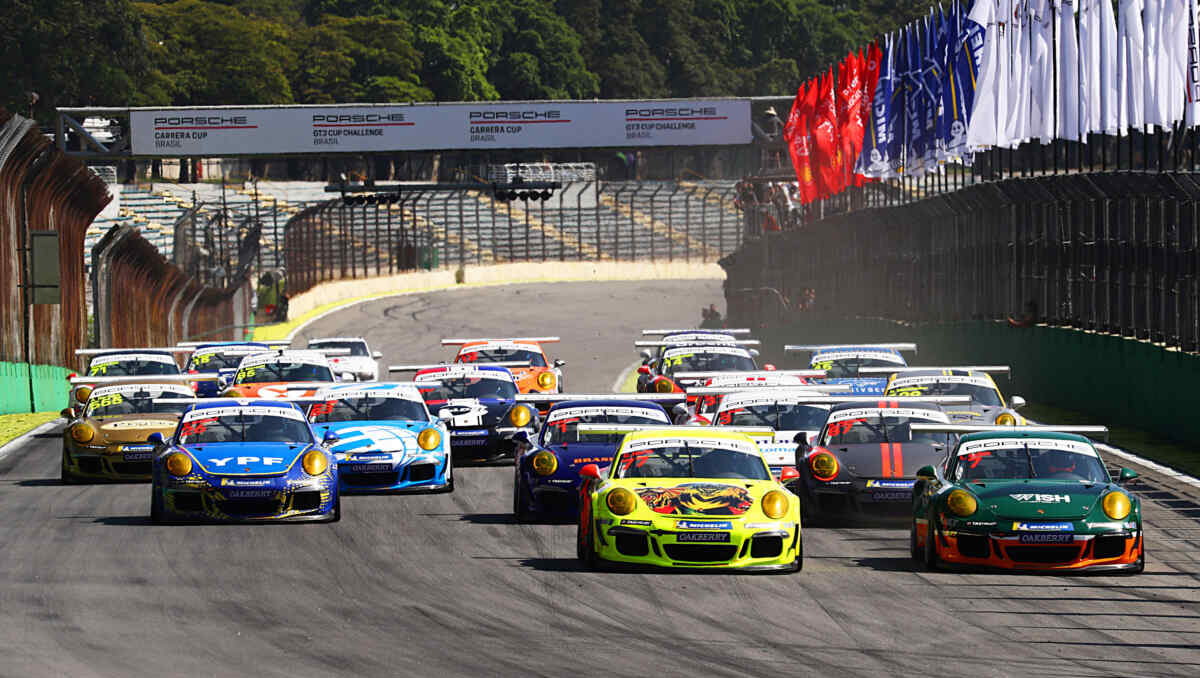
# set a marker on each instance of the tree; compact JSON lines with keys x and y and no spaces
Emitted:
{"x":358,"y":59}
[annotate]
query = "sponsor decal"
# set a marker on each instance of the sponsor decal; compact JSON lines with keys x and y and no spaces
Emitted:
{"x":1051,"y":538}
{"x":891,"y":484}
{"x":137,"y":456}
{"x":769,"y":526}
{"x":468,"y":432}
{"x":1043,"y":527}
{"x":703,"y":525}
{"x":236,"y":493}
{"x":142,"y":423}
{"x":369,"y":468}
{"x":900,"y":382}
{"x":715,"y":499}
{"x":470,"y":441}
{"x":702,"y":537}
{"x":1037,"y":444}
{"x":233,"y":482}
{"x":898,"y":412}
{"x":981,"y":523}
{"x":891,"y":495}
{"x":705,"y":350}
{"x":367,"y":457}
{"x":600,"y":411}
{"x":248,"y":410}
{"x":636,"y":523}
{"x":1042,"y":498}
{"x":151,"y":390}
{"x":242,"y":461}
{"x":886,"y":356}
{"x":719,"y":443}
{"x":137,"y":448}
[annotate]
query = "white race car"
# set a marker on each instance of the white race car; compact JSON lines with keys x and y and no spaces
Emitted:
{"x":361,"y":361}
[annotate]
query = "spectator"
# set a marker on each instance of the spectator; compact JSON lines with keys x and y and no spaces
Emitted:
{"x":711,"y":317}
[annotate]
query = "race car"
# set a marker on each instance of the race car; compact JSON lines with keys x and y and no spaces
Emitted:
{"x":790,"y":411}
{"x":243,"y":460}
{"x":387,"y":440}
{"x":1025,"y":498}
{"x":861,"y":465}
{"x":687,"y":497}
{"x":275,"y":374}
{"x":663,"y":377}
{"x":653,"y":352}
{"x":702,"y":401}
{"x":546,"y":469}
{"x":220,"y":357}
{"x":524,"y":357}
{"x":108,"y":440}
{"x":478,"y":404}
{"x":843,"y":363}
{"x":360,"y":360}
{"x":120,"y":362}
{"x":987,"y":406}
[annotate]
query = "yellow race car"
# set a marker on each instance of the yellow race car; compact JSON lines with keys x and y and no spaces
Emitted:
{"x":688,"y":497}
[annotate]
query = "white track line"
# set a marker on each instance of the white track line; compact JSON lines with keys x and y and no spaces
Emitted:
{"x":616,"y":387}
{"x":20,"y":441}
{"x":1157,"y":468}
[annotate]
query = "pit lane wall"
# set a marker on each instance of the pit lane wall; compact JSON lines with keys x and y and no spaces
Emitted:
{"x":1099,"y":273}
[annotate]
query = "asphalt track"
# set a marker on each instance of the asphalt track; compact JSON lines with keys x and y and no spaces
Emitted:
{"x":448,"y":585}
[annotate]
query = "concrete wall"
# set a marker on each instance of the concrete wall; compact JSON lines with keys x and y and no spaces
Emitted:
{"x":49,"y":388}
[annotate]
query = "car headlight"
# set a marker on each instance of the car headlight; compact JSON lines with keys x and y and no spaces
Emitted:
{"x":961,"y":503}
{"x":1006,"y":419}
{"x":83,"y":433}
{"x":429,"y":439}
{"x":621,"y":501}
{"x":233,"y":393}
{"x":179,"y":464}
{"x":824,"y":466}
{"x":544,"y":463}
{"x":664,"y":386}
{"x":520,"y":416}
{"x":545,"y":380}
{"x":314,"y":462}
{"x":1116,"y":505}
{"x":83,"y":393}
{"x":775,"y":504}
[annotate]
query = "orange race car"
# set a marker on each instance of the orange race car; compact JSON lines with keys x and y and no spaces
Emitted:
{"x":523,"y":356}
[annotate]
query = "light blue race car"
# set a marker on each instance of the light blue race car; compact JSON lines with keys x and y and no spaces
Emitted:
{"x":387,"y":440}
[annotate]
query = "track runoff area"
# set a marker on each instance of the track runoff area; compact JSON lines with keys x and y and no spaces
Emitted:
{"x":449,"y":584}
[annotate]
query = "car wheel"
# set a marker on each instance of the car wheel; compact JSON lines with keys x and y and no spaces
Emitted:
{"x":931,"y":554}
{"x":336,"y":514}
{"x":520,"y":513}
{"x":1140,"y":566}
{"x":66,"y":477}
{"x":587,"y":547}
{"x":799,"y":564}
{"x":156,"y":512}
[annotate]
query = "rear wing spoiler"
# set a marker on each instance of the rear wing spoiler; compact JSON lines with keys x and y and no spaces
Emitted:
{"x":564,"y":397}
{"x":418,"y":368}
{"x":768,"y":390}
{"x":515,"y":340}
{"x":816,"y":374}
{"x":144,"y":349}
{"x":998,"y":369}
{"x":651,"y":333}
{"x":810,"y":348}
{"x":1090,"y":431}
{"x":614,"y":429}
{"x":147,"y":379}
{"x":866,"y":400}
{"x":271,"y":343}
{"x":725,"y":342}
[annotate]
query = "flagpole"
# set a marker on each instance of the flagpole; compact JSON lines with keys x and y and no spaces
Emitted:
{"x":1054,"y":141}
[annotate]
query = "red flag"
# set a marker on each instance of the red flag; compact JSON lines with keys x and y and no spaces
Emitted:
{"x":869,"y":64}
{"x":827,"y":153}
{"x":796,"y":133}
{"x":853,"y":125}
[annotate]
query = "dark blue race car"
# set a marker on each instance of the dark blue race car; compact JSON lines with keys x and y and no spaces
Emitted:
{"x":478,"y":404}
{"x":546,"y":480}
{"x":243,"y":461}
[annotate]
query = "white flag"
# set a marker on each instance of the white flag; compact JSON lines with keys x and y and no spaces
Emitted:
{"x":986,"y":127}
{"x":1173,"y":59}
{"x":1089,"y":65}
{"x":1191,"y":111}
{"x":1151,"y":75}
{"x":1130,"y":67}
{"x":1017,"y":120}
{"x":1041,"y":71}
{"x":1110,"y":93}
{"x":1068,"y":71}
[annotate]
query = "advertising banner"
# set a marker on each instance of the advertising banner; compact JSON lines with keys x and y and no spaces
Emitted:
{"x":427,"y":127}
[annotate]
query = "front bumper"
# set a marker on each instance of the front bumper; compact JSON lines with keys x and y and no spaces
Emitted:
{"x":484,"y":443}
{"x":553,"y":501}
{"x":748,"y":546}
{"x":110,"y":462}
{"x":421,"y":475}
{"x":1100,"y":551}
{"x":251,"y":500}
{"x":858,"y":499}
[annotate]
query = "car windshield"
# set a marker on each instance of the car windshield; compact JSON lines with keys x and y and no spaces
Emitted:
{"x":367,"y":409}
{"x":355,"y":347}
{"x":137,"y":402}
{"x":707,"y":362}
{"x":690,"y":461}
{"x":880,"y":429}
{"x":565,"y":431}
{"x":1029,"y":461}
{"x":210,"y":362}
{"x":980,"y":395}
{"x":779,"y":416}
{"x":283,"y":372}
{"x":473,"y":388}
{"x":848,"y":367}
{"x":130,"y":368}
{"x":244,"y":428}
{"x":503,"y":355}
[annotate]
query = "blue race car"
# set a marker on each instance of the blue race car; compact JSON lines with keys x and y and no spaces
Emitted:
{"x":243,"y":461}
{"x":546,"y":480}
{"x":221,"y":357}
{"x":387,"y":440}
{"x":842,"y":362}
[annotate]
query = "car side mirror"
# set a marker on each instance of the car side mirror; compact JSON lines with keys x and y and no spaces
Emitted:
{"x":644,"y":369}
{"x":330,"y":438}
{"x":559,"y":363}
{"x":769,"y":367}
{"x":926,"y":473}
{"x":590,"y":471}
{"x":224,"y":380}
{"x":1016,"y":402}
{"x":1127,"y":474}
{"x":348,"y":376}
{"x":66,"y":413}
{"x":788,"y":473}
{"x":520,"y":437}
{"x":156,"y":439}
{"x":376,"y":355}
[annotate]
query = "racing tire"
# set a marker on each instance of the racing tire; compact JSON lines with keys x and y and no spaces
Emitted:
{"x":1140,"y":566}
{"x":931,"y":555}
{"x":520,"y":513}
{"x":798,"y":566}
{"x":449,"y":472}
{"x":917,"y":555}
{"x":156,"y":512}
{"x":586,"y":549}
{"x":65,"y":476}
{"x":336,"y":514}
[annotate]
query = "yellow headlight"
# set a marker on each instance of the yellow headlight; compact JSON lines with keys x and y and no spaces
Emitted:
{"x":179,"y":464}
{"x":621,"y":501}
{"x":1006,"y":419}
{"x":961,"y":503}
{"x":82,"y":433}
{"x":544,"y":463}
{"x":545,"y":380}
{"x":1117,"y":505}
{"x":314,"y":462}
{"x":664,"y":386}
{"x":824,"y":466}
{"x":233,"y":393}
{"x":83,"y":393}
{"x":520,"y":416}
{"x":429,"y":439}
{"x":775,"y":504}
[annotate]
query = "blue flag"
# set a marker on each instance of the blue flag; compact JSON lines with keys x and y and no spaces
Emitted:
{"x":894,"y":118}
{"x":873,"y":161}
{"x":914,"y":101}
{"x":934,"y":68}
{"x":967,"y":59}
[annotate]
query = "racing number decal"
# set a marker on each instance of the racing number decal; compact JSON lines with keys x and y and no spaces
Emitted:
{"x":562,"y":425}
{"x":675,"y":361}
{"x":202,"y":359}
{"x":246,"y":373}
{"x":197,"y":427}
{"x":976,"y":457}
{"x":640,"y":457}
{"x":907,"y":391}
{"x":101,"y":369}
{"x":105,"y":401}
{"x":822,"y":365}
{"x":322,"y":409}
{"x":838,"y":428}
